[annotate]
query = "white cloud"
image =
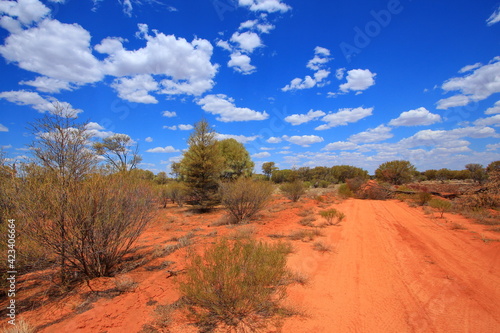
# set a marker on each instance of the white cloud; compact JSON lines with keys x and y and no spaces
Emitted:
{"x":48,"y":85}
{"x":321,"y":73}
{"x":480,"y":84}
{"x":340,"y":145}
{"x":247,"y":41}
{"x":185,"y":127}
{"x":490,"y":121}
{"x":344,"y":116}
{"x":469,"y":68}
{"x":494,"y":109}
{"x":37,"y":102}
{"x":304,"y":140}
{"x":268,"y":6}
{"x":494,"y":18}
{"x":241,"y":63}
{"x":450,"y":102}
{"x":240,"y":138}
{"x":136,"y":89}
{"x":149,"y":139}
{"x":168,"y":149}
{"x":52,"y":42}
{"x":264,"y":154}
{"x":379,"y":133}
{"x":274,"y":139}
{"x":186,"y":64}
{"x":3,"y":128}
{"x":358,"y":80}
{"x":169,"y":114}
{"x":297,"y":119}
{"x":442,"y":137}
{"x":339,"y":73}
{"x":223,"y":106}
{"x":418,"y":117}
{"x":22,"y":12}
{"x":173,"y":128}
{"x":494,"y":146}
{"x":97,"y":131}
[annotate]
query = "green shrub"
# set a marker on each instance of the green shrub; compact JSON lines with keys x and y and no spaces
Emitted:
{"x":344,"y":191}
{"x":245,"y":197}
{"x":423,"y":198}
{"x":294,"y":190}
{"x":332,"y":214}
{"x":441,"y":205}
{"x":236,"y":285}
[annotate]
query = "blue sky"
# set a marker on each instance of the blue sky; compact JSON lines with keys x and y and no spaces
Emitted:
{"x":316,"y":83}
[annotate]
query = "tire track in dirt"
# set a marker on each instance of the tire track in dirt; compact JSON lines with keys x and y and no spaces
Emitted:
{"x":396,"y":270}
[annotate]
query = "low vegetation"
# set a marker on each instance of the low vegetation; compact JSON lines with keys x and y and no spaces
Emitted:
{"x":236,"y":286}
{"x":294,"y":190}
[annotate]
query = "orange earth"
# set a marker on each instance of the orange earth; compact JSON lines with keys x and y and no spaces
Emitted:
{"x":391,"y":268}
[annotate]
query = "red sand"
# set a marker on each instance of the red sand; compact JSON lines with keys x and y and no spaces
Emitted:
{"x":392,"y":269}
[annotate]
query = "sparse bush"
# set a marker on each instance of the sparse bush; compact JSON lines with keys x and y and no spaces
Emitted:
{"x":293,"y":190}
{"x":321,"y":247}
{"x":307,"y":221}
{"x":245,"y":197}
{"x":423,"y":198}
{"x":21,"y":326}
{"x":332,"y":214}
{"x":441,"y":205}
{"x":305,"y":235}
{"x":344,"y":191}
{"x":236,"y":285}
{"x":177,"y":192}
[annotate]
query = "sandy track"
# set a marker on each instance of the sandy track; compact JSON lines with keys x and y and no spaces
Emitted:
{"x":394,"y":269}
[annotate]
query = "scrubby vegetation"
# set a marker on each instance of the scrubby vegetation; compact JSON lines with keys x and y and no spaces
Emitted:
{"x":236,"y":285}
{"x":294,"y":190}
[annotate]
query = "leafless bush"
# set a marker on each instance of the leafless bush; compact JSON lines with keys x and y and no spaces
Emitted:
{"x":245,"y":197}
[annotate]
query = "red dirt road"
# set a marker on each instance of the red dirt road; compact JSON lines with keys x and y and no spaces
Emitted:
{"x":395,"y":269}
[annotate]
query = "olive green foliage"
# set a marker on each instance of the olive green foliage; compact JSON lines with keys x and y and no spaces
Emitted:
{"x":396,"y":172}
{"x":177,"y":192}
{"x":344,"y":191}
{"x":423,"y":198}
{"x":245,"y":197}
{"x":161,"y":178}
{"x":119,"y":152}
{"x":320,"y":176}
{"x":237,"y":161}
{"x":236,"y":286}
{"x":332,"y":216}
{"x":441,"y":205}
{"x":493,"y":166}
{"x":268,"y":168}
{"x":478,"y":173}
{"x":294,"y":190}
{"x":202,"y":165}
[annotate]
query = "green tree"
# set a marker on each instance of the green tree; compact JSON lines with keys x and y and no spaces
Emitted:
{"x":119,"y":152}
{"x":396,"y":172}
{"x":268,"y":168}
{"x":237,"y":161}
{"x":161,"y":178}
{"x":202,"y":165}
{"x":478,"y":173}
{"x":493,"y":167}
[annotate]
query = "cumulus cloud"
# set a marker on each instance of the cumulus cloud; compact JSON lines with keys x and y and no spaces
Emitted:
{"x":149,"y":139}
{"x":304,"y":140}
{"x":358,"y":80}
{"x":224,"y":107}
{"x":469,"y":68}
{"x":241,"y":63}
{"x":494,"y":109}
{"x":339,"y":73}
{"x":185,"y":127}
{"x":3,"y":128}
{"x":264,"y":154}
{"x":490,"y":121}
{"x":274,"y":139}
{"x":494,"y":18}
{"x":21,"y":13}
{"x":417,"y":117}
{"x":317,"y":64}
{"x":49,"y":85}
{"x":479,"y":85}
{"x":169,"y":114}
{"x":340,"y":145}
{"x":268,"y":6}
{"x":297,"y":119}
{"x":68,"y":45}
{"x":247,"y":41}
{"x":168,"y":149}
{"x":442,"y":137}
{"x":136,"y":89}
{"x":240,"y":138}
{"x":344,"y":117}
{"x":37,"y":102}
{"x":379,"y":133}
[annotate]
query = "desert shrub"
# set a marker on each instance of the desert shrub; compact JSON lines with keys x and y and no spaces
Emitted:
{"x":355,"y":184}
{"x":21,"y":326}
{"x":344,"y":191}
{"x":293,"y":190}
{"x":423,"y":198}
{"x":396,"y":172}
{"x":103,"y":217}
{"x":331,"y":215}
{"x":243,"y":198}
{"x":235,"y":285}
{"x":305,"y":235}
{"x":374,"y":191}
{"x":177,"y":192}
{"x":321,"y":247}
{"x":441,"y":205}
